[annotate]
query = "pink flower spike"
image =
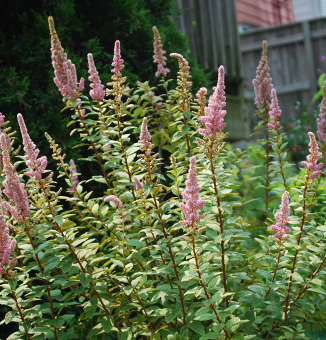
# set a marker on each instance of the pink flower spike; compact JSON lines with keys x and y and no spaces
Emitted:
{"x":114,"y":199}
{"x":117,"y":61}
{"x":13,"y":189}
{"x":191,"y":197}
{"x":64,"y":70}
{"x":275,"y":112}
{"x":145,"y":136}
{"x":321,"y":121}
{"x":157,"y":106}
{"x":36,"y":165}
{"x":73,"y":173}
{"x":139,"y":185}
{"x":315,"y":155}
{"x":263,"y":82}
{"x":81,"y":84}
{"x":214,"y":113}
{"x":201,"y":93}
{"x":7,"y":245}
{"x":282,"y":217}
{"x":159,"y":57}
{"x":97,"y":92}
{"x":184,"y":67}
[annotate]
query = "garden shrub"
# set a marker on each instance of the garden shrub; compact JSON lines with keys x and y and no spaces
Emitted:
{"x":163,"y":246}
{"x":26,"y":84}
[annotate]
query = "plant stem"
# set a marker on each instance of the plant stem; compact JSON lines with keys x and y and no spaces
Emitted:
{"x":304,"y":288}
{"x":267,"y":158}
{"x":276,"y":268}
{"x":127,"y":277}
{"x":20,"y":312}
{"x":203,"y":286}
{"x":58,"y":228}
{"x":99,"y":161}
{"x":176,"y":274}
{"x":296,"y":251}
{"x":219,"y":220}
{"x":44,"y":280}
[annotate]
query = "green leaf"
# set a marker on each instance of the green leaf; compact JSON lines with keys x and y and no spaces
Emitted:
{"x":85,"y":279}
{"x":147,"y":189}
{"x":91,"y":307}
{"x":297,"y":277}
{"x":55,"y":292}
{"x":122,"y":175}
{"x":125,"y":336}
{"x":188,"y":114}
{"x":9,"y":316}
{"x":107,"y":323}
{"x":257,"y":289}
{"x":205,"y":317}
{"x":95,"y":209}
{"x":58,"y":219}
{"x":211,"y":335}
{"x":170,"y":316}
{"x":52,"y":264}
{"x":197,"y":327}
{"x":185,"y":128}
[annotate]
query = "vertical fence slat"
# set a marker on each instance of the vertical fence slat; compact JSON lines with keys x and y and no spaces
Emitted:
{"x":309,"y":56}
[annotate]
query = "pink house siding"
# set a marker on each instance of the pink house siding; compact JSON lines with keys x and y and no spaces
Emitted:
{"x":265,"y":12}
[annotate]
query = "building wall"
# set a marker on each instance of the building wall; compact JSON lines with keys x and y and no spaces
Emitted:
{"x":308,"y":9}
{"x":263,"y":12}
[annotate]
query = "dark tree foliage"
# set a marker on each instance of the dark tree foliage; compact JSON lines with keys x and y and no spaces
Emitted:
{"x":83,"y":27}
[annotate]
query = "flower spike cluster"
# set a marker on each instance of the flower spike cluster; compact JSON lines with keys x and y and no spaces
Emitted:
{"x":13,"y":189}
{"x":139,"y":185}
{"x":145,"y":136}
{"x":201,"y":93}
{"x":214,"y":113}
{"x":36,"y":165}
{"x":97,"y":92}
{"x":7,"y":245}
{"x":184,"y":68}
{"x":64,"y":70}
{"x":275,"y":112}
{"x":315,"y":155}
{"x":159,"y":57}
{"x":114,"y":199}
{"x":282,"y":217}
{"x":191,"y":197}
{"x":74,"y":177}
{"x":263,"y":82}
{"x":117,"y":61}
{"x":321,"y":121}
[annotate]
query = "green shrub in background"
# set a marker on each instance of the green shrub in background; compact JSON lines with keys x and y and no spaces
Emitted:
{"x":26,"y":84}
{"x":161,"y":251}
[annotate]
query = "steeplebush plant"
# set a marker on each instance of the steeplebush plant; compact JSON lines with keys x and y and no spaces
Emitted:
{"x":162,"y":246}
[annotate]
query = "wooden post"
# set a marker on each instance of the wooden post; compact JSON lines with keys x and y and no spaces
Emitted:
{"x":309,"y":53}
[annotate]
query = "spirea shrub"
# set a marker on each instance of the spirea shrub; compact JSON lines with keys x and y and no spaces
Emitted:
{"x":163,"y":246}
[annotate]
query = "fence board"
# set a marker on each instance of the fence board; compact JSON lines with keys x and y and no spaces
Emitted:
{"x":211,"y":27}
{"x":294,"y":52}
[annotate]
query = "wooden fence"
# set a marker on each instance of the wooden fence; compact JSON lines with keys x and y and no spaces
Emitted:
{"x":211,"y":26}
{"x":294,"y":52}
